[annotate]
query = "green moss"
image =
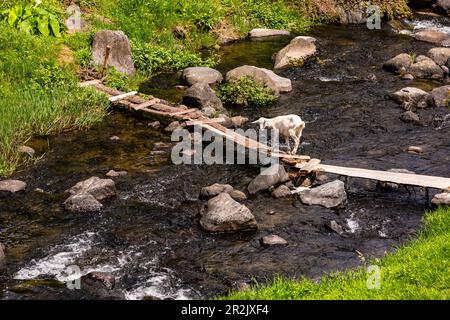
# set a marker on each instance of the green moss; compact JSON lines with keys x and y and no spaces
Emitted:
{"x":417,"y":270}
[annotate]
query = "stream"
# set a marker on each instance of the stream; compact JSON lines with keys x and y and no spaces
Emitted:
{"x":149,"y":236}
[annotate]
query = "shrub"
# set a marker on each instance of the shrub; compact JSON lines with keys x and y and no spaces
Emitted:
{"x":247,"y":92}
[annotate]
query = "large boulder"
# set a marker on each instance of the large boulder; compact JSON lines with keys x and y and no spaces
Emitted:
{"x":399,"y":62}
{"x":120,"y":54}
{"x":226,"y":215}
{"x":329,"y":195}
{"x":442,"y":6}
{"x":425,"y":68}
{"x":82,"y":203}
{"x":12,"y":185}
{"x":271,"y":176}
{"x":99,"y":188}
{"x":411,"y":98}
{"x":263,"y":76}
{"x":441,"y":199}
{"x":436,"y":37}
{"x":2,"y":258}
{"x":200,"y":95}
{"x":439,"y":55}
{"x":263,"y":32}
{"x":296,"y":52}
{"x":193,"y":75}
{"x":441,"y":96}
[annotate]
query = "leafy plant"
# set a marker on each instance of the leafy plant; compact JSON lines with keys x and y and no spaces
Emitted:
{"x":154,"y":59}
{"x":31,"y":18}
{"x":116,"y":80}
{"x":247,"y":92}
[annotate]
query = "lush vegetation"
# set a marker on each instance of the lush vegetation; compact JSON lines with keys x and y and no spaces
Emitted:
{"x":418,"y":270}
{"x":246,"y":92}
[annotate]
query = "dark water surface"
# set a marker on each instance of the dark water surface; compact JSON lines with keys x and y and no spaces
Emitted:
{"x":149,"y":236}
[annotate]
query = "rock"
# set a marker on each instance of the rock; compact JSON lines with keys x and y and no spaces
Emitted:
{"x":120,"y":54}
{"x":172,"y":126}
{"x":425,"y":68}
{"x":200,"y":95}
{"x":225,"y":120}
{"x":445,"y":69}
{"x":441,"y":96}
{"x":336,"y":227}
{"x":411,"y":98}
{"x":195,"y":75}
{"x":391,"y":185}
{"x":296,"y":52}
{"x":306,"y":183}
{"x":28,"y":150}
{"x":281,"y":192}
{"x":2,"y":259}
{"x":270,"y":212}
{"x":154,"y":124}
{"x":329,"y":195}
{"x":82,"y":203}
{"x":439,"y":55}
{"x":215,"y":189}
{"x":104,"y":278}
{"x":262,"y":32}
{"x":114,"y":138}
{"x":407,"y":76}
{"x":263,"y":76}
{"x":225,"y":215}
{"x":400,"y":61}
{"x":113,"y":173}
{"x":179,"y":32}
{"x":436,"y":37}
{"x":238,"y":195}
{"x":442,"y":6}
{"x":271,"y":176}
{"x":355,"y":16}
{"x":273,"y":240}
{"x":441,"y":199}
{"x":12,"y":185}
{"x":409,"y":116}
{"x":99,"y":188}
{"x":238,"y":121}
{"x":75,"y":23}
{"x":414,"y":149}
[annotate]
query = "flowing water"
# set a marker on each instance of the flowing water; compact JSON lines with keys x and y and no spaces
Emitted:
{"x":149,"y":237}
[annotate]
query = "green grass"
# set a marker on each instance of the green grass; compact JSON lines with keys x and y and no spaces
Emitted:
{"x":37,"y":96}
{"x":417,"y":270}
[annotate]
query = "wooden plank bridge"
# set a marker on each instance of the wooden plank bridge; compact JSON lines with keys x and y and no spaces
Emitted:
{"x":302,"y":164}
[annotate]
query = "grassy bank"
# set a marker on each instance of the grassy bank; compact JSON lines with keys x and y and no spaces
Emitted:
{"x":418,"y":270}
{"x":38,"y":74}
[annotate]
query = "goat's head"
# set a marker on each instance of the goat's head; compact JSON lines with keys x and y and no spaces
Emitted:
{"x":262,"y":123}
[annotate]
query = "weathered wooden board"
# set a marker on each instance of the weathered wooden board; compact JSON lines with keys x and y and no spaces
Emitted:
{"x":385,"y":176}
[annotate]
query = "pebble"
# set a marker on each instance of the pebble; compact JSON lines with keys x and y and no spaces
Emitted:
{"x":114,"y":138}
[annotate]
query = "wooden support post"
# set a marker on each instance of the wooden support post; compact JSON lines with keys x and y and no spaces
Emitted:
{"x":105,"y":61}
{"x":427,"y":196}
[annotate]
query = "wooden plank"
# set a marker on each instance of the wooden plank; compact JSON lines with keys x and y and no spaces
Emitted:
{"x":385,"y":176}
{"x":89,"y":83}
{"x":204,"y":121}
{"x":122,"y":96}
{"x":146,"y":104}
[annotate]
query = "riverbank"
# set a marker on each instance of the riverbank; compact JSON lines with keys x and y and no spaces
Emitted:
{"x":415,"y":271}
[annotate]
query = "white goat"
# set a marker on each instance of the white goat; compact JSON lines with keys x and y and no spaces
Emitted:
{"x":288,"y":126}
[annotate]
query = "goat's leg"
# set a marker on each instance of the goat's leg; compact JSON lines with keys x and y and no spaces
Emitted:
{"x":297,"y":141}
{"x":288,"y":143}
